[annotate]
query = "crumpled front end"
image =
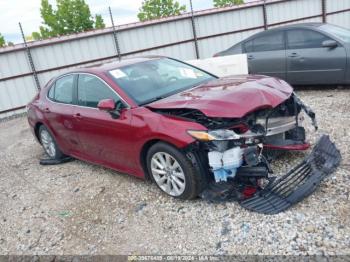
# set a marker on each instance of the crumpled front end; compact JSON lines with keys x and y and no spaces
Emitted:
{"x":235,"y":157}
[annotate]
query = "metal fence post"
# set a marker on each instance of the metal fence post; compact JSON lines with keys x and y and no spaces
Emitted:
{"x":30,"y":58}
{"x":115,"y":34}
{"x":194,"y":31}
{"x":265,"y":15}
{"x":324,"y":11}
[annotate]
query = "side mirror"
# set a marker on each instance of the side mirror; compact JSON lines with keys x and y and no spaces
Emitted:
{"x":106,"y":105}
{"x":113,"y":108}
{"x":329,"y":43}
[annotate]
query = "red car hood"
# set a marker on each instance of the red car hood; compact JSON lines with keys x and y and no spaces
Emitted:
{"x":231,"y":97}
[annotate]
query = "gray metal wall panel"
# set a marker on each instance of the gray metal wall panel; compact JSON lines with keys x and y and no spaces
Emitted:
{"x":16,"y":92}
{"x":182,"y":51}
{"x":208,"y":47}
{"x":342,"y":19}
{"x":292,"y":10}
{"x":73,"y":52}
{"x":13,"y":64}
{"x":336,"y":5}
{"x":229,"y":21}
{"x":155,"y":35}
{"x":310,"y":20}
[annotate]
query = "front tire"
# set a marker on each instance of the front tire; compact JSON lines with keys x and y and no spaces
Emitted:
{"x":173,"y":172}
{"x":49,"y":144}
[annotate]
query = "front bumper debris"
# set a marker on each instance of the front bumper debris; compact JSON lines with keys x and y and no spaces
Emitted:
{"x":298,"y":183}
{"x":281,"y":192}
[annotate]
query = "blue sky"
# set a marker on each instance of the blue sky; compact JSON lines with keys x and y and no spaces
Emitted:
{"x":27,"y":12}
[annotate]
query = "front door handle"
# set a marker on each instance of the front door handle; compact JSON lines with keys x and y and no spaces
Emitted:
{"x":78,"y":116}
{"x":250,"y":57}
{"x":47,"y":110}
{"x":293,"y":55}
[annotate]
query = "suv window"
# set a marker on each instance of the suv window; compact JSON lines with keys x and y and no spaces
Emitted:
{"x":92,"y":90}
{"x":301,"y":38}
{"x":63,"y":90}
{"x":267,"y":42}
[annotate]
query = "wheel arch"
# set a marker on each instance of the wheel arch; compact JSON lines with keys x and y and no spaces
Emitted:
{"x":143,"y":153}
{"x":36,"y":130}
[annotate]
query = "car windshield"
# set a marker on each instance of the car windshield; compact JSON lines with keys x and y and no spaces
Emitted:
{"x":155,"y":79}
{"x":340,"y":32}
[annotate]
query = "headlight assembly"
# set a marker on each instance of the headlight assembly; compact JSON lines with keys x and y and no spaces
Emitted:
{"x":214,"y":135}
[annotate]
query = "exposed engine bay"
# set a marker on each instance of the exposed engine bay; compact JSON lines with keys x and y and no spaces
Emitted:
{"x":236,"y":154}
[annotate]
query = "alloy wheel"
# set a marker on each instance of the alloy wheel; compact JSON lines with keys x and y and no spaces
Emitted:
{"x":168,"y":173}
{"x":48,"y":143}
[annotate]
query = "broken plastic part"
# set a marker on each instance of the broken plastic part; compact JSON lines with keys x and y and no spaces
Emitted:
{"x":280,"y":193}
{"x":298,"y":183}
{"x":307,"y":110}
{"x":225,"y":164}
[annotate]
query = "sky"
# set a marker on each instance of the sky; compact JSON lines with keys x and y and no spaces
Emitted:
{"x":28,"y":13}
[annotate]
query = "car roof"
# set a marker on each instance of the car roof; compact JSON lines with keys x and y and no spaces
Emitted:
{"x":105,"y":67}
{"x":282,"y":28}
{"x":312,"y":24}
{"x":285,"y":27}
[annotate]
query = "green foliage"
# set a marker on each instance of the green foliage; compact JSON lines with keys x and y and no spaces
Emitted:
{"x":2,"y":41}
{"x":70,"y":16}
{"x":152,"y":9}
{"x":223,"y":3}
{"x":99,"y":24}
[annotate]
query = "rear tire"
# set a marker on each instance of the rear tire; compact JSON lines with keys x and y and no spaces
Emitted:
{"x":49,"y":144}
{"x":173,"y":172}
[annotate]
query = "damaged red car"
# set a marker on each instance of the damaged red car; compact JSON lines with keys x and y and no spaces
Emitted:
{"x":191,"y":132}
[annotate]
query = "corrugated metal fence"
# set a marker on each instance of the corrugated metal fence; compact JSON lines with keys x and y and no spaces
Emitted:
{"x":216,"y":30}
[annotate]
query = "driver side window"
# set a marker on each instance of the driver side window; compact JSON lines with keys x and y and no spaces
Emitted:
{"x":301,"y":38}
{"x":92,"y":90}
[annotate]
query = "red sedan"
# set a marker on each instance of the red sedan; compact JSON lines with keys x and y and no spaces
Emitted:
{"x":189,"y":131}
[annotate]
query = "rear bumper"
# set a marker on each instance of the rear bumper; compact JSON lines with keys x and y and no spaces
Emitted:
{"x":298,"y":183}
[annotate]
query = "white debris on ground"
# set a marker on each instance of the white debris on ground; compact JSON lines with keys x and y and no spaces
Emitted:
{"x":79,"y":208}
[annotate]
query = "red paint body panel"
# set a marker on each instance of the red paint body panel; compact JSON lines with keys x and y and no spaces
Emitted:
{"x":97,"y":138}
{"x":93,"y":135}
{"x":231,"y":97}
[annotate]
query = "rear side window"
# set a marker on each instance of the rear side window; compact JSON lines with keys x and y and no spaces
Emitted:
{"x":269,"y":42}
{"x":51,"y":93}
{"x":236,"y":49}
{"x":63,"y":90}
{"x":301,"y":38}
{"x":248,"y":46}
{"x":92,"y":90}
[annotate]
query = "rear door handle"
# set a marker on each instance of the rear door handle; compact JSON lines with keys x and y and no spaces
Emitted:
{"x":47,"y":110}
{"x":250,"y":57}
{"x":78,"y":116}
{"x":293,"y":55}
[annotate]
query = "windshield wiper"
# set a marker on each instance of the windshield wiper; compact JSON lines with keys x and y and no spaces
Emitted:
{"x":153,"y":100}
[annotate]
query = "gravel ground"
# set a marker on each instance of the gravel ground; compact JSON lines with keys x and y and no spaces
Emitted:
{"x":79,"y":208}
